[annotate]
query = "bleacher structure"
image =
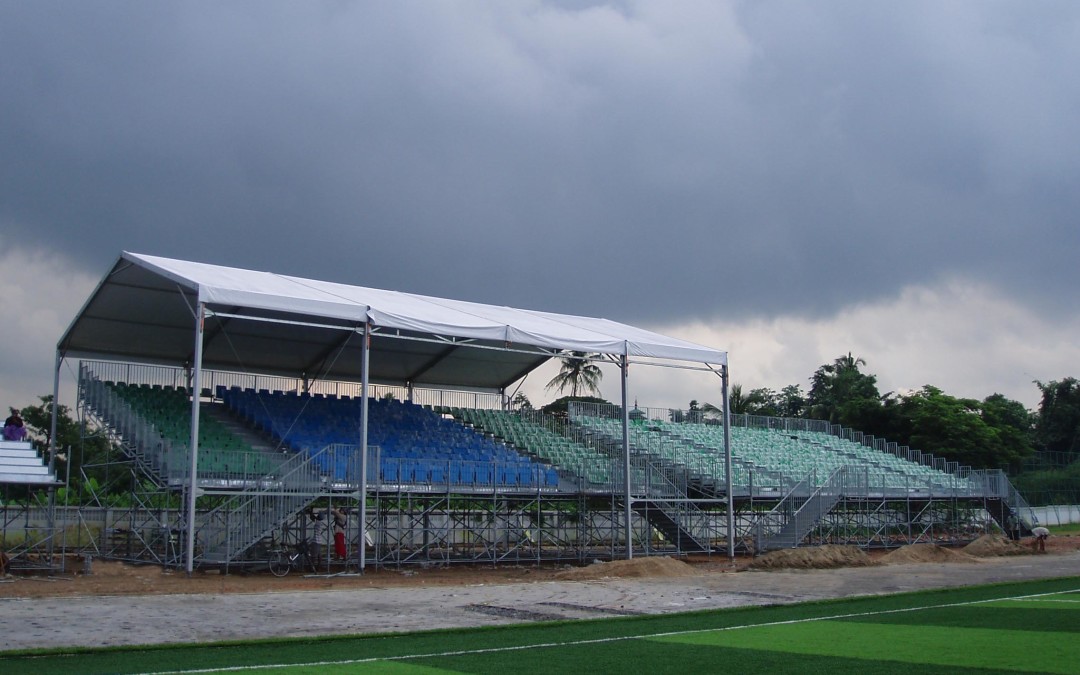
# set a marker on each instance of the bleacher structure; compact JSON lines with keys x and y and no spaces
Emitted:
{"x":237,"y":401}
{"x":27,"y":527}
{"x":451,"y":483}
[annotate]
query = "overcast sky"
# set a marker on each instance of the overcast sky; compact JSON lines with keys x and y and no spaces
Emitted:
{"x":787,"y":180}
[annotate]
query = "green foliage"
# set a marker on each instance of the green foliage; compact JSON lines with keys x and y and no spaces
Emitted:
{"x":577,"y":374}
{"x":948,"y":427}
{"x":788,"y":402}
{"x":1058,"y":426}
{"x":741,"y":403}
{"x":994,"y":433}
{"x":1051,"y":486}
{"x":791,"y":402}
{"x":72,"y":446}
{"x":560,"y":407}
{"x":838,"y":390}
{"x":521,"y":402}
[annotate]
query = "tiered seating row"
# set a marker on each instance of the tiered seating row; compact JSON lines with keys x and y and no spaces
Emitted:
{"x":704,"y":463}
{"x":795,"y":454}
{"x":895,"y":465}
{"x":543,"y":443}
{"x":220,"y":451}
{"x":416,"y":445}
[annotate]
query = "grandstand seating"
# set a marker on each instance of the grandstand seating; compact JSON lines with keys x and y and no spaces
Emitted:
{"x":481,"y":447}
{"x":416,"y":445}
{"x":221,"y":453}
{"x":575,"y":458}
{"x":791,"y":456}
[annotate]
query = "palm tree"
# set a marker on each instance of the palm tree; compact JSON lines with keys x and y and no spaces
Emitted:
{"x":578,"y":375}
{"x":837,"y":384}
{"x":848,"y":362}
{"x":740,"y":403}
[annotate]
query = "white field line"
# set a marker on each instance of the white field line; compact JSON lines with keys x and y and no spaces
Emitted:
{"x":573,"y":643}
{"x":1044,"y":600}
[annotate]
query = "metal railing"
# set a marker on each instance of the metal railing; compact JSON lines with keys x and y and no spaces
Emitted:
{"x":802,"y":509}
{"x":212,"y":380}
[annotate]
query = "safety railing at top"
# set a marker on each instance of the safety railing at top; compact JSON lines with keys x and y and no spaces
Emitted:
{"x":211,"y":380}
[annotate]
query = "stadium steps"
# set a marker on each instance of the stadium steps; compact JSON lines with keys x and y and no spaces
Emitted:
{"x":229,"y":531}
{"x":794,"y":526}
{"x":20,"y":464}
{"x":1009,"y":519}
{"x":659,"y":515}
{"x":245,"y":434}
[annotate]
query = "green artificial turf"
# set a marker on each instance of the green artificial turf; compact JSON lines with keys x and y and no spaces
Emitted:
{"x":927,"y":632}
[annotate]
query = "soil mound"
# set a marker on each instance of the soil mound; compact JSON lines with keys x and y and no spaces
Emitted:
{"x":990,"y":545}
{"x":816,"y":557}
{"x":926,"y":553}
{"x":634,"y":568}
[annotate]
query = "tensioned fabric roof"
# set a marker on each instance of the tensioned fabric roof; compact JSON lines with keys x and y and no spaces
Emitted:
{"x":143,"y":311}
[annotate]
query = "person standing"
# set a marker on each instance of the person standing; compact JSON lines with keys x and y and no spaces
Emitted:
{"x":318,"y":536}
{"x":341,"y":524}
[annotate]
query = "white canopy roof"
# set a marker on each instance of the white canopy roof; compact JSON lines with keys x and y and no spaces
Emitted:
{"x":271,"y":323}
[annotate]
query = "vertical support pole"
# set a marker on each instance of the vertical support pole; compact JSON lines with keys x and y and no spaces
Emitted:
{"x":361,"y":543}
{"x":624,"y":369}
{"x":196,"y":390}
{"x":55,"y":408}
{"x":52,"y":458}
{"x":727,"y":464}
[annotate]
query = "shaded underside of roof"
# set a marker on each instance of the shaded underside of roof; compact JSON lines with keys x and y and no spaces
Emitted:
{"x":143,"y":311}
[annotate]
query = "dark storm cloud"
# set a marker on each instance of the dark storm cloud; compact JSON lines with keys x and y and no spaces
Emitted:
{"x":641,"y":161}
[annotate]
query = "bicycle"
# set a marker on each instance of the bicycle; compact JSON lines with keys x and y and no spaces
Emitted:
{"x":282,"y":561}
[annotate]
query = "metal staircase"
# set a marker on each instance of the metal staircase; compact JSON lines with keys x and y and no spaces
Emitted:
{"x":1006,"y":506}
{"x":662,"y":486}
{"x":667,"y":518}
{"x":225,"y":533}
{"x":799,"y":512}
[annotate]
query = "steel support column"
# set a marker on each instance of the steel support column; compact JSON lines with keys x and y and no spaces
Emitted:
{"x":361,"y":543}
{"x":624,"y":368}
{"x":727,"y":464}
{"x":196,"y":391}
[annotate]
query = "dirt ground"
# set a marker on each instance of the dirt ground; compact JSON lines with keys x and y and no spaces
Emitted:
{"x":109,"y":578}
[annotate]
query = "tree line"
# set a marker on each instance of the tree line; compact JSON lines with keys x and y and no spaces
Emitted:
{"x":1040,"y":447}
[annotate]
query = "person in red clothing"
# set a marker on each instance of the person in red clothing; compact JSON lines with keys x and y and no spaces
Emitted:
{"x":341,"y":522}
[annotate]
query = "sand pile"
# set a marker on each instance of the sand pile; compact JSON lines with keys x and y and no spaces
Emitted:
{"x":816,"y":557}
{"x":926,"y":553}
{"x":634,"y":568}
{"x":990,"y":545}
